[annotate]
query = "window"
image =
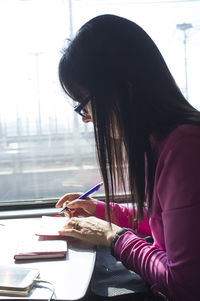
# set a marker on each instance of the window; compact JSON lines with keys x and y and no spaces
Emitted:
{"x":45,"y":149}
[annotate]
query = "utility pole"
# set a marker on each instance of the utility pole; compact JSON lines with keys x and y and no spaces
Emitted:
{"x":184,"y":27}
{"x":39,"y":122}
{"x":70,"y":19}
{"x":76,"y":138}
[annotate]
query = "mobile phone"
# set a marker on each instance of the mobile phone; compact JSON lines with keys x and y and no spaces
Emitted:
{"x":17,"y":280}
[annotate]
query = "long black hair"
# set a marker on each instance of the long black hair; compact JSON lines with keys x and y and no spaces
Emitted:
{"x":132,"y":92}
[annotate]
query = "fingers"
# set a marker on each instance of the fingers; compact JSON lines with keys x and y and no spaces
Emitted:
{"x":73,"y":223}
{"x":91,"y":229}
{"x":67,"y":198}
{"x":78,"y":207}
{"x":72,"y":228}
{"x":78,"y":204}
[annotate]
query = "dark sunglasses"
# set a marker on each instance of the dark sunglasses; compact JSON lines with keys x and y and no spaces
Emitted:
{"x":80,"y":108}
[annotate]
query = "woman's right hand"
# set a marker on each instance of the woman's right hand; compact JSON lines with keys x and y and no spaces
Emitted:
{"x":77,"y":207}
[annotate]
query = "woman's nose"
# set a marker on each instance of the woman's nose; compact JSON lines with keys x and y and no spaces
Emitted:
{"x":87,"y":119}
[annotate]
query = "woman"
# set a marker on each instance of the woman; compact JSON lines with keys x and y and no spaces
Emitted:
{"x":147,"y":135}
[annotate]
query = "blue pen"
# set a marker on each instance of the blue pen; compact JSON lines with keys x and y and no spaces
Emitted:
{"x":87,"y":193}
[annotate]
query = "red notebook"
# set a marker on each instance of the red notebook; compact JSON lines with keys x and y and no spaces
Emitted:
{"x":40,"y":249}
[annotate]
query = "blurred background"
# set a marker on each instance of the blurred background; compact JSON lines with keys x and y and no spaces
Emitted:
{"x":45,"y":149}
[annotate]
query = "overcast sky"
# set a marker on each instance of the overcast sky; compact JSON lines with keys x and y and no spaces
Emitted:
{"x":33,"y":32}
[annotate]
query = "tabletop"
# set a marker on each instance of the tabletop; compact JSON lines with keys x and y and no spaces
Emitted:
{"x":70,"y":276}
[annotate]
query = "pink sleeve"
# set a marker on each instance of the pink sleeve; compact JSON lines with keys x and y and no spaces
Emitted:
{"x":175,"y":271}
{"x":122,"y":215}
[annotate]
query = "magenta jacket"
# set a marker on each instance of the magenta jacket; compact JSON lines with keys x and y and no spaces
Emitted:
{"x":172,"y":264}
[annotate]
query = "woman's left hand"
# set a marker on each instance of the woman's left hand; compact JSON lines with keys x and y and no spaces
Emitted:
{"x":91,"y":229}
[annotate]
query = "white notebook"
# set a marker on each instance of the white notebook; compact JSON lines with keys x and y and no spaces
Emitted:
{"x":49,"y":226}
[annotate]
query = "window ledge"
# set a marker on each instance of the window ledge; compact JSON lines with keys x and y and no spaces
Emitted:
{"x":28,"y":213}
